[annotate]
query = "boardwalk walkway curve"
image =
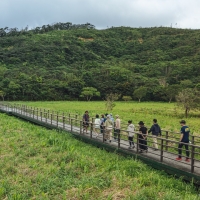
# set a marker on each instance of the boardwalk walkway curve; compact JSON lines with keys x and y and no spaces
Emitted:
{"x":163,"y":159}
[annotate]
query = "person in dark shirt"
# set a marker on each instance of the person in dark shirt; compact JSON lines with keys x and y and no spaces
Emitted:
{"x":156,"y":131}
{"x":86,"y":120}
{"x":143,"y":137}
{"x":184,"y":140}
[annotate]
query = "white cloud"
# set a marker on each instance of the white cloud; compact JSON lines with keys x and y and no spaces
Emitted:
{"x":101,"y":13}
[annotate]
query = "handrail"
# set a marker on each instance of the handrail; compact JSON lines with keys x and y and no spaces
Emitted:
{"x":72,"y":124}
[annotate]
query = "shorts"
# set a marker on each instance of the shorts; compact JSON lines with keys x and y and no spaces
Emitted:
{"x":85,"y":124}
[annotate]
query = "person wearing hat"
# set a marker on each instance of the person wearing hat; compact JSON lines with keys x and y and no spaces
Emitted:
{"x":117,"y":127}
{"x":184,"y":140}
{"x":108,"y":127}
{"x":143,"y":132}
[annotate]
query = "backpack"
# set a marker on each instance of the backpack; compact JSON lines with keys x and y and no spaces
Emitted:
{"x":157,"y":130}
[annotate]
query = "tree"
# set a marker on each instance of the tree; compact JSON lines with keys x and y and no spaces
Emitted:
{"x":89,"y":92}
{"x":140,"y":93}
{"x":171,"y":91}
{"x":127,"y":98}
{"x":110,"y":99}
{"x":188,"y":99}
{"x":2,"y":94}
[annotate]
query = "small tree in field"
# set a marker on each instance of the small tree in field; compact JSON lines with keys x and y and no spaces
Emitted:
{"x":2,"y":94}
{"x":89,"y":92}
{"x":188,"y":99}
{"x":110,"y":99}
{"x":127,"y":98}
{"x":140,"y":93}
{"x":171,"y":91}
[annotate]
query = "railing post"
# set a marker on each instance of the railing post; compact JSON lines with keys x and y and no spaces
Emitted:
{"x":48,"y":114}
{"x":137,"y":142}
{"x":81,"y":123}
{"x":91,"y":128}
{"x":69,"y":118}
{"x":119,"y":137}
{"x":192,"y":139}
{"x":71,"y":122}
{"x":34,"y":113}
{"x":161,"y":150}
{"x":57,"y":120}
{"x":192,"y":158}
{"x":46,"y":118}
{"x":104,"y":134}
{"x":51,"y":118}
{"x":40,"y":116}
{"x":37,"y":113}
{"x":63,"y":122}
{"x":92,"y":120}
{"x":52,"y":115}
{"x":166,"y":136}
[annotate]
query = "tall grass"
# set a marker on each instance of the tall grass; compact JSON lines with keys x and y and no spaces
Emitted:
{"x":37,"y":163}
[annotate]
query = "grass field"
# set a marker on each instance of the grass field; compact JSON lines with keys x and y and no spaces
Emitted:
{"x":37,"y":163}
{"x":168,"y":115}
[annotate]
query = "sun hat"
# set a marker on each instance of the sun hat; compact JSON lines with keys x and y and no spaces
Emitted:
{"x":141,"y":123}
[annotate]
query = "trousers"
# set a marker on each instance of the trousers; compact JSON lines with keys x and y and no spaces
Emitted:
{"x":180,"y":149}
{"x":155,"y":142}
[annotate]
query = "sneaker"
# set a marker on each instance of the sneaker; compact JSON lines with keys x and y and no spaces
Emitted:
{"x":141,"y":151}
{"x":187,"y":160}
{"x":179,"y":159}
{"x":155,"y":149}
{"x":110,"y":140}
{"x":133,"y":146}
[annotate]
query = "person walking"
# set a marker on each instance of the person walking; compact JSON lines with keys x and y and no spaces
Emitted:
{"x":143,"y":137}
{"x":86,"y":120}
{"x":117,"y":127}
{"x":184,"y":140}
{"x":97,"y":124}
{"x":103,"y":119}
{"x":130,"y":130}
{"x":108,"y":128}
{"x":156,"y":131}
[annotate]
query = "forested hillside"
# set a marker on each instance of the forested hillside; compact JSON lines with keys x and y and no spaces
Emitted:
{"x":55,"y":62}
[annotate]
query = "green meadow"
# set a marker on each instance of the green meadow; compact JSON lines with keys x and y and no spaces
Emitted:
{"x":168,"y":114}
{"x":37,"y":163}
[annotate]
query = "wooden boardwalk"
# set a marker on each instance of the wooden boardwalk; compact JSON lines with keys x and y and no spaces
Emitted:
{"x":163,"y":159}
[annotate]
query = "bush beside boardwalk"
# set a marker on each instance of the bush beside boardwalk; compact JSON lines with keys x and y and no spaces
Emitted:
{"x":40,"y":164}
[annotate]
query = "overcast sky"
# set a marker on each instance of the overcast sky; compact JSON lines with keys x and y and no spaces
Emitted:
{"x":101,"y":13}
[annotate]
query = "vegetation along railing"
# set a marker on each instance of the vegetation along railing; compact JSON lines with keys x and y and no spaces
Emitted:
{"x":168,"y":142}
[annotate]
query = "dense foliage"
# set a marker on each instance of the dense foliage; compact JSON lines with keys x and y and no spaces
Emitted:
{"x":55,"y":62}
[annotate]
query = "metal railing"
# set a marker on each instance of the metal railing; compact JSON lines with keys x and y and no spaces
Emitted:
{"x":168,"y":145}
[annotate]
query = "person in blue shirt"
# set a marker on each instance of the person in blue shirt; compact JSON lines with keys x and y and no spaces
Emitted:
{"x":184,"y":140}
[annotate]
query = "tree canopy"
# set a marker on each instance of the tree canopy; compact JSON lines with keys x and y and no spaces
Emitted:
{"x":55,"y":62}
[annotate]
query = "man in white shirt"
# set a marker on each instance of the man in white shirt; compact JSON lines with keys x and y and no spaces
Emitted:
{"x":117,"y":127}
{"x":130,"y":130}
